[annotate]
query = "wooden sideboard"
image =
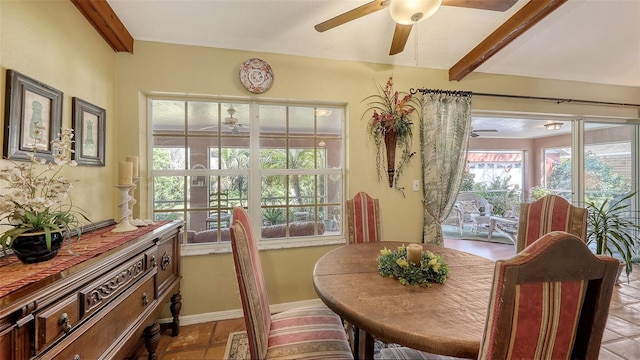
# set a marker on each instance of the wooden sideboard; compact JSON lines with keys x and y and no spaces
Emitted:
{"x":101,"y":302}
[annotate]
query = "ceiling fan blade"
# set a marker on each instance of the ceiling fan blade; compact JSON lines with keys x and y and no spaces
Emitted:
{"x":400,"y":37}
{"x":495,"y":5}
{"x":358,"y":12}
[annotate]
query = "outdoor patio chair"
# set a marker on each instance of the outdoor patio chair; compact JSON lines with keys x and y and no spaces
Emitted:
{"x":549,"y":213}
{"x":307,"y":332}
{"x":476,"y":210}
{"x":455,"y":218}
{"x":550,"y":301}
{"x":473,"y":203}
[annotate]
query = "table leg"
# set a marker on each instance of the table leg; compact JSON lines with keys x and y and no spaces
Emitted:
{"x":366,"y":345}
{"x":492,"y":226}
{"x":152,"y":339}
{"x":176,"y":306}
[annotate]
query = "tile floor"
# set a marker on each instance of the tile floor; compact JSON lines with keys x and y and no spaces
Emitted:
{"x":621,"y":337}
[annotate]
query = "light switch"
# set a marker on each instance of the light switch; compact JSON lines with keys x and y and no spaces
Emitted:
{"x":416,"y":185}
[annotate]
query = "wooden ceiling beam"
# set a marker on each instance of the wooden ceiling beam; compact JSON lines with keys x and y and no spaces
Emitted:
{"x":107,"y":23}
{"x":520,"y":22}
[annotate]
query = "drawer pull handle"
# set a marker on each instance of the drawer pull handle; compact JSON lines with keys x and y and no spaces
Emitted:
{"x":76,"y":357}
{"x":154,"y":261}
{"x":63,"y":322}
{"x":166,"y":260}
{"x":145,"y":299}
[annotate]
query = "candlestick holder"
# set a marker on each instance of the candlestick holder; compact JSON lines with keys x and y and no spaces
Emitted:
{"x":132,"y":198}
{"x":125,"y":212}
{"x":132,"y":202}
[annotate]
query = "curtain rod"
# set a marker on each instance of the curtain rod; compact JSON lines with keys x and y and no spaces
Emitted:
{"x":440,"y":91}
{"x":557,"y":100}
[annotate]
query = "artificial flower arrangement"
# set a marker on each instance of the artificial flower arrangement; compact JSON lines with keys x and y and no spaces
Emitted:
{"x":394,"y":264}
{"x":38,"y":196}
{"x":390,"y":124}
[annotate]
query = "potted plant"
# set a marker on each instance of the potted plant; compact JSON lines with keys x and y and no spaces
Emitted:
{"x":37,"y":207}
{"x":390,"y":127}
{"x":613,"y":227}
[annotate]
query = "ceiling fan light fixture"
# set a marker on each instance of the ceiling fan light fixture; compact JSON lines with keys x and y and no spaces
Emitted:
{"x":553,"y":126}
{"x":408,"y":12}
{"x":323,"y":112}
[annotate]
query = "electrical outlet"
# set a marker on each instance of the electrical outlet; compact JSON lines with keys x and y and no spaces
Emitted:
{"x":416,"y":185}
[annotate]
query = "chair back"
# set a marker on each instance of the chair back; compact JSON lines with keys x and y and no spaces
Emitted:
{"x":550,"y":301}
{"x":363,"y":219}
{"x":550,"y":213}
{"x":471,"y":203}
{"x":253,"y":293}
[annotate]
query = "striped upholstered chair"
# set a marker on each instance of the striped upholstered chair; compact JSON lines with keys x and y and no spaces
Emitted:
{"x":363,"y":219}
{"x":550,"y":213}
{"x":550,"y":301}
{"x":307,"y":332}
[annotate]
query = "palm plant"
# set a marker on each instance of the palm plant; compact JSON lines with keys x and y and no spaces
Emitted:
{"x":613,"y":226}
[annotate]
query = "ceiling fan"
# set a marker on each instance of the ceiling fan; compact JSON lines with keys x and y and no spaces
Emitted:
{"x":408,"y":12}
{"x":231,"y":122}
{"x":474,"y":133}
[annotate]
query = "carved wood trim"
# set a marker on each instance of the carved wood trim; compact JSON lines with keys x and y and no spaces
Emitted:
{"x":95,"y":295}
{"x":520,"y":22}
{"x":107,"y":23}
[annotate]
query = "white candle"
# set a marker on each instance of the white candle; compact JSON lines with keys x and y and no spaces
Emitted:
{"x":136,"y":165}
{"x":414,"y":254}
{"x":125,"y":173}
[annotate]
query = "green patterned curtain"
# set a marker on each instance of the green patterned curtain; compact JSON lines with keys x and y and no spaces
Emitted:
{"x":444,"y":138}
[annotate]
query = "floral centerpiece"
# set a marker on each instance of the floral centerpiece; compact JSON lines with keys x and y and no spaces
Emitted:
{"x":37,"y":200}
{"x":390,"y":124}
{"x":394,"y":264}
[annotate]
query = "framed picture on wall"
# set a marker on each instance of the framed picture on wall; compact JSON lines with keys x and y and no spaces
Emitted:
{"x":89,"y":129}
{"x":33,"y":117}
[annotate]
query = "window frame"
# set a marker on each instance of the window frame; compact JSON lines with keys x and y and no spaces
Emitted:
{"x":254,"y":172}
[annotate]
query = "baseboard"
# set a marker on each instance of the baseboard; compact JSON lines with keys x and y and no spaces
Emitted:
{"x":236,"y":313}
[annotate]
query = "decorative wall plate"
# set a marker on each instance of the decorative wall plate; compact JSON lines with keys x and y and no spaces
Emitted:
{"x":256,"y":75}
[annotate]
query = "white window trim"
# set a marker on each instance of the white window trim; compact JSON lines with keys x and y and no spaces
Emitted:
{"x":255,"y":181}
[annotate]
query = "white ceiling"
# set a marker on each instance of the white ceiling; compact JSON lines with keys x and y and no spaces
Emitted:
{"x":595,"y":41}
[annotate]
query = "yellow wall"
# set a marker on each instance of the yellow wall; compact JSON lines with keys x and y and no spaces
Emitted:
{"x":175,"y":69}
{"x":52,"y":42}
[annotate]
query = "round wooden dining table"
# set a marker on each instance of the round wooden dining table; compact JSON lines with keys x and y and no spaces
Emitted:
{"x":446,"y":319}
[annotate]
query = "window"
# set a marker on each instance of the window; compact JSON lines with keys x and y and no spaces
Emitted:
{"x":283,"y":162}
{"x":608,"y":160}
{"x":496,"y":176}
{"x":558,"y":172}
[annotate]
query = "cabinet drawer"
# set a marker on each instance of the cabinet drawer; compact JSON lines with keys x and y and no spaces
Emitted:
{"x":96,"y":336}
{"x":97,"y":294}
{"x":56,"y":321}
